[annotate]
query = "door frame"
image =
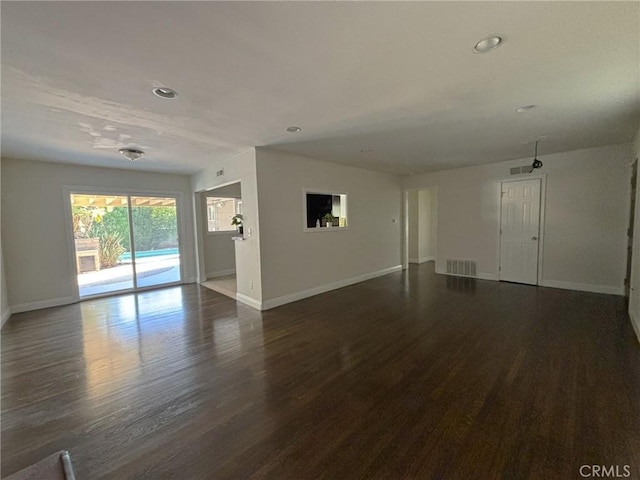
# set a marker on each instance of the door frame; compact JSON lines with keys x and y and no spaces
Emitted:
{"x":543,"y":202}
{"x":68,"y":190}
{"x":199,"y":235}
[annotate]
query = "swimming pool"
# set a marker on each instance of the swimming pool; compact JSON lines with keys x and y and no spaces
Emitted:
{"x":150,"y":253}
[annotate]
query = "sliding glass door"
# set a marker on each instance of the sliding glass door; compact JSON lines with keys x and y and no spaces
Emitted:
{"x":124,"y":242}
{"x":155,"y":240}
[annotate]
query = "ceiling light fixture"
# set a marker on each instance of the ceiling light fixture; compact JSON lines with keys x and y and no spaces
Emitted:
{"x":526,"y":108}
{"x":165,"y":92}
{"x":294,"y":129}
{"x":132,"y":154}
{"x":488,"y":44}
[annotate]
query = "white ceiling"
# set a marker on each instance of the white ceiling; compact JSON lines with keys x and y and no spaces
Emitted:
{"x":391,"y":86}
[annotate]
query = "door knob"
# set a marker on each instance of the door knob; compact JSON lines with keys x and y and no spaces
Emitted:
{"x":534,"y":238}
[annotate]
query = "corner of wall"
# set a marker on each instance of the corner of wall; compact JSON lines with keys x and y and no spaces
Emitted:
{"x":6,"y":314}
{"x":635,"y":323}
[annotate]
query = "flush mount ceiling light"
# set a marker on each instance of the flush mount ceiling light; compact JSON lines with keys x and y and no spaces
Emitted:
{"x":165,"y":92}
{"x":294,"y":129}
{"x":132,"y":154}
{"x":488,"y":44}
{"x":526,"y":108}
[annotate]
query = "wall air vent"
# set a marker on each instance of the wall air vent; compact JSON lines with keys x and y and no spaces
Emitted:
{"x":520,"y":170}
{"x":463,"y":268}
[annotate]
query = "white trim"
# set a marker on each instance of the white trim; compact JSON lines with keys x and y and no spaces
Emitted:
{"x":221,"y":233}
{"x":221,"y":185}
{"x":583,"y":287}
{"x":40,"y":304}
{"x":293,"y":297}
{"x":220,"y":273}
{"x":488,"y":276}
{"x":252,"y":302}
{"x":635,"y":323}
{"x":325,"y":229}
{"x":5,"y":316}
{"x":422,"y":260}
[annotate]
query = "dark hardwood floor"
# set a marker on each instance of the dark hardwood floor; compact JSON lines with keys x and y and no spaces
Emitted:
{"x":408,"y":376}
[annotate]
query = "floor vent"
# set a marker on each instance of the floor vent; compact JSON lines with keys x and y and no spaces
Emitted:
{"x":464,"y":268}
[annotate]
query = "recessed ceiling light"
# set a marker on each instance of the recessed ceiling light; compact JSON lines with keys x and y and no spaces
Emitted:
{"x":294,"y":129}
{"x":488,"y":44}
{"x":526,"y":108}
{"x":165,"y":92}
{"x":131,"y":153}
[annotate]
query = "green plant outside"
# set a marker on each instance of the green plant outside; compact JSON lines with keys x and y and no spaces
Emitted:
{"x":155,"y":229}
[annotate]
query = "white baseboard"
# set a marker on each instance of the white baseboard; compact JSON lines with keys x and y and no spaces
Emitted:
{"x":5,"y":316}
{"x":53,"y":302}
{"x":221,"y":273}
{"x":293,"y":297}
{"x":247,"y":300}
{"x":635,"y":323}
{"x":583,"y":287}
{"x":488,"y":276}
{"x":422,"y":259}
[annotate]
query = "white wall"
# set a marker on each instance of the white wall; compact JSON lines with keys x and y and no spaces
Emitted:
{"x":241,"y":168}
{"x":297,"y":264}
{"x":38,"y":266}
{"x":219,"y":254}
{"x":634,"y":297}
{"x":587,"y":203}
{"x":5,"y":311}
{"x":414,"y":226}
{"x":4,"y":302}
{"x":427,"y":250}
{"x":422,"y":228}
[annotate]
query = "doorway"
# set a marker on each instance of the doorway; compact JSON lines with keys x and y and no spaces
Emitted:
{"x":124,"y":242}
{"x":218,"y":207}
{"x":520,"y":221}
{"x":422,"y":225}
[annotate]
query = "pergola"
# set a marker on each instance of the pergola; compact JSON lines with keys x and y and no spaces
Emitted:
{"x":83,"y":200}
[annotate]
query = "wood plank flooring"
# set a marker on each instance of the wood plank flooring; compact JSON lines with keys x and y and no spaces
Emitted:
{"x":408,"y":376}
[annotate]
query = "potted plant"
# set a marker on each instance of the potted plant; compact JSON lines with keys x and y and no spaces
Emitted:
{"x":237,"y":221}
{"x":330,"y":220}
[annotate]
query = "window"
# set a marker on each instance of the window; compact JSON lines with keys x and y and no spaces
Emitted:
{"x":220,"y":211}
{"x":320,"y":207}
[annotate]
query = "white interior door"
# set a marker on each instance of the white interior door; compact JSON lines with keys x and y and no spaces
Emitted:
{"x":520,"y":231}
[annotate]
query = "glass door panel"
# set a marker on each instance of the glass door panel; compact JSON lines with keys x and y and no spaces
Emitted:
{"x":102,"y":243}
{"x":155,"y":240}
